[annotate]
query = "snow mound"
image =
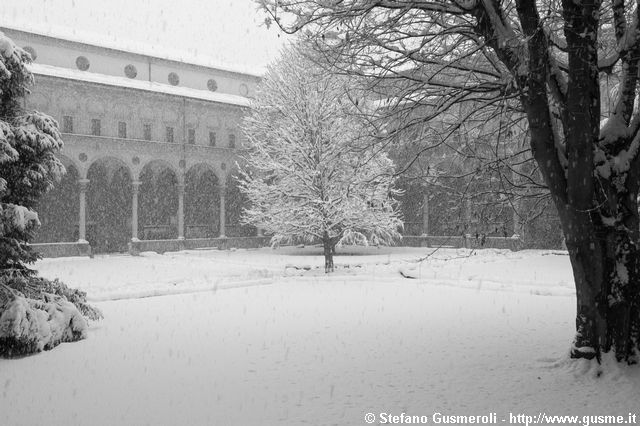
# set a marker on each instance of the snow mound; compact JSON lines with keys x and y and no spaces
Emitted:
{"x":409,"y":271}
{"x":18,"y":218}
{"x":149,"y":254}
{"x":6,"y":46}
{"x":29,"y":325}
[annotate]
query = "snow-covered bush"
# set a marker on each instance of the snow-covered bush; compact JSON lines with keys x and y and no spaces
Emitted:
{"x":32,"y":325}
{"x":39,"y":288}
{"x":38,"y":314}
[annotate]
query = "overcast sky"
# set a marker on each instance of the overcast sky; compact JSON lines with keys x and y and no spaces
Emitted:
{"x":227,"y":31}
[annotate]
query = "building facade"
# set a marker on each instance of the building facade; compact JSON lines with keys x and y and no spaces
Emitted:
{"x":151,"y":146}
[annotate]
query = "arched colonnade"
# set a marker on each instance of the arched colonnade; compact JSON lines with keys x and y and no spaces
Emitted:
{"x":108,"y":204}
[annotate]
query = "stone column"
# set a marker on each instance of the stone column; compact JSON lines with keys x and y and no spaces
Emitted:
{"x":425,"y":214}
{"x":223,"y":196}
{"x":181,"y":211}
{"x":82,"y":225}
{"x":135,"y":188}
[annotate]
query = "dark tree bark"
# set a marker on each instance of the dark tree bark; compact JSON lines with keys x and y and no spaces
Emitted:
{"x":598,"y":212}
{"x":599,"y":216}
{"x":328,"y":245}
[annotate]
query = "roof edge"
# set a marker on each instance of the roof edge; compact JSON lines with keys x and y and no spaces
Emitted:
{"x":141,"y":49}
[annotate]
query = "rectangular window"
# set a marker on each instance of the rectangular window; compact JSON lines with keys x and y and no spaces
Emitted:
{"x":212,"y":138}
{"x":232,"y":141}
{"x":169,"y":134}
{"x":67,"y":124}
{"x":146,"y":132}
{"x":95,"y":127}
{"x":192,"y":136}
{"x":122,"y":129}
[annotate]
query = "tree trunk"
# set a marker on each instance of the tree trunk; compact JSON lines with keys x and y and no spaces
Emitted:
{"x":605,"y":262}
{"x":598,"y":210}
{"x":328,"y":245}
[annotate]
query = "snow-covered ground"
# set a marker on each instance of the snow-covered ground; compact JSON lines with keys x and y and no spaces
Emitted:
{"x":263,"y":337}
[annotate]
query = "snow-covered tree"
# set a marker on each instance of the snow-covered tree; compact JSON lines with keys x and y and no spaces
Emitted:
{"x":28,"y":166}
{"x":552,"y":61}
{"x":35,"y":313}
{"x":309,"y":175}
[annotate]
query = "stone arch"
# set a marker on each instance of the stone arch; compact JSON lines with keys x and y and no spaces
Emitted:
{"x":202,"y":201}
{"x":88,"y":159}
{"x":58,"y":209}
{"x":158,"y":201}
{"x":112,"y":162}
{"x":155,"y":166}
{"x":68,"y":162}
{"x":200,"y":168}
{"x":109,"y":195}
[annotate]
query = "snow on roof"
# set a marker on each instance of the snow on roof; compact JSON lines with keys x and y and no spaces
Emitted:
{"x":129,"y":46}
{"x":150,"y":86}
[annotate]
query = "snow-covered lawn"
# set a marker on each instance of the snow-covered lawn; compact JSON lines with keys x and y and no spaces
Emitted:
{"x":262,"y":337}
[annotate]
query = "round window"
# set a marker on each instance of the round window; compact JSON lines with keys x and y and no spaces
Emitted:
{"x":244,"y":90}
{"x":174,"y":79}
{"x":212,"y":85}
{"x":130,"y":71}
{"x":82,"y":63}
{"x":31,"y":51}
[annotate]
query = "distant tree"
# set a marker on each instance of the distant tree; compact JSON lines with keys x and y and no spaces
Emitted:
{"x":308,"y":173}
{"x":550,"y":63}
{"x":470,"y":191}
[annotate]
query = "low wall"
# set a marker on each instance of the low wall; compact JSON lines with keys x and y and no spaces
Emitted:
{"x":62,"y":249}
{"x":161,"y":246}
{"x":461,"y":242}
{"x":227,"y":243}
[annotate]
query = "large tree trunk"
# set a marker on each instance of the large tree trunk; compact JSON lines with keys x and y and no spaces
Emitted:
{"x":605,"y":261}
{"x":328,"y":245}
{"x":597,"y":205}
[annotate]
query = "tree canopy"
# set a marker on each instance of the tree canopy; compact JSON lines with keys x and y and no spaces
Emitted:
{"x":28,"y":166}
{"x":310,"y":173}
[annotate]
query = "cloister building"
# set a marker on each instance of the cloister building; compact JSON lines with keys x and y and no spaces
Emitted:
{"x":150,"y":147}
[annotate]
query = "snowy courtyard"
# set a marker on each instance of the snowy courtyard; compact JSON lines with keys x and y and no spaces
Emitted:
{"x":149,"y":151}
{"x":264,"y":337}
